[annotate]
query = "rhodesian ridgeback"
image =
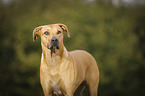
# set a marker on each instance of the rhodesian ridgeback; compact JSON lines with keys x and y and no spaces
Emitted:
{"x":62,"y":72}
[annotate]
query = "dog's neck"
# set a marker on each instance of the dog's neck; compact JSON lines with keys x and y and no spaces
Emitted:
{"x":54,"y":58}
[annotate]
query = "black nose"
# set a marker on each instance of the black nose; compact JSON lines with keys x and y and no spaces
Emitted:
{"x":54,"y":40}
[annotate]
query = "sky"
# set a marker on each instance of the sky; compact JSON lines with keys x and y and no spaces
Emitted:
{"x":128,"y":2}
{"x":114,"y":2}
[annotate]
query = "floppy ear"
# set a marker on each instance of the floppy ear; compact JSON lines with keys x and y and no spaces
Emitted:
{"x":64,"y":28}
{"x":36,"y":32}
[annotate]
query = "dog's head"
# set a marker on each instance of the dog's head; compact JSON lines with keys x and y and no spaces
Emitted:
{"x":51,"y":35}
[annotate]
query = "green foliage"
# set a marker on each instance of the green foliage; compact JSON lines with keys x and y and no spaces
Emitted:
{"x":114,"y":36}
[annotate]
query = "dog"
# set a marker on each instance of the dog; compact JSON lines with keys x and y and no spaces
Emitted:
{"x":63,"y":73}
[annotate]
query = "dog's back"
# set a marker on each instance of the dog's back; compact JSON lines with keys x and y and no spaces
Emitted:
{"x":82,"y":58}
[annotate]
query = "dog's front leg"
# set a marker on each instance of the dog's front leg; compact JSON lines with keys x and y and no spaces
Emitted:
{"x":69,"y":94}
{"x":46,"y":89}
{"x":45,"y":85}
{"x":69,"y":90}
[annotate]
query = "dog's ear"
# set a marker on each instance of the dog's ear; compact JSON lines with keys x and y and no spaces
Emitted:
{"x":36,"y":32}
{"x":64,"y":28}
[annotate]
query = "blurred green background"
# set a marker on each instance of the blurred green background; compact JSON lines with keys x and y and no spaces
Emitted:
{"x":112,"y":31}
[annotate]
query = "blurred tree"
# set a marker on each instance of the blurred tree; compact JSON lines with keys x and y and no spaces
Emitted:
{"x":114,"y":36}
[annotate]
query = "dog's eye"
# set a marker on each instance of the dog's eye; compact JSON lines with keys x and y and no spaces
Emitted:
{"x":46,"y":33}
{"x":58,"y":32}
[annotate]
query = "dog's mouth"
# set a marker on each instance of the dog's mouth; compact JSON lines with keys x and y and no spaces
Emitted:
{"x":53,"y":47}
{"x":53,"y":51}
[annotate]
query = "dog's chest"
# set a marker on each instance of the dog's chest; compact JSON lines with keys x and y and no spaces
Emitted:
{"x":55,"y":79}
{"x":54,"y":64}
{"x":54,"y":71}
{"x":51,"y":73}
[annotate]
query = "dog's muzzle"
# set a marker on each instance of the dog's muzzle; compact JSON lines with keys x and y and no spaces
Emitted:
{"x":54,"y":43}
